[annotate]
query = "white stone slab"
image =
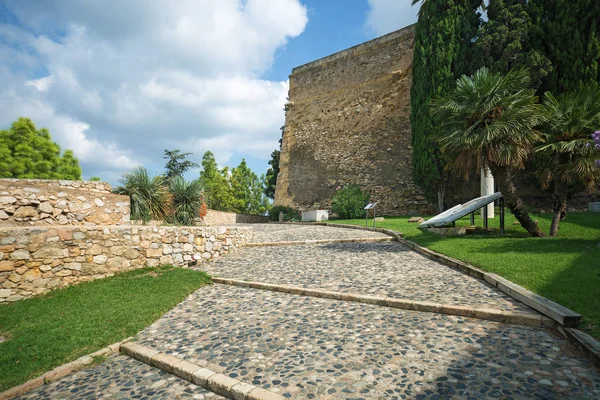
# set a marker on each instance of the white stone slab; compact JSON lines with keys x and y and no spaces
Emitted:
{"x":316,"y":215}
{"x":594,"y":207}
{"x":459,"y":211}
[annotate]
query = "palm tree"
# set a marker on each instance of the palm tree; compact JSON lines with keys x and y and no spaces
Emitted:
{"x":489,"y":121}
{"x":149,"y":196}
{"x":568,"y":160}
{"x":187,"y":199}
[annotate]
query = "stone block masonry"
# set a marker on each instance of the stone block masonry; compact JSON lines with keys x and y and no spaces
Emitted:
{"x":347,"y":122}
{"x":35,"y":202}
{"x":34,"y":260}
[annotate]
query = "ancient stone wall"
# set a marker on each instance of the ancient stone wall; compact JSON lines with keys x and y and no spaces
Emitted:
{"x":34,"y":260}
{"x":214,"y":217}
{"x":347,"y":122}
{"x":34,"y":202}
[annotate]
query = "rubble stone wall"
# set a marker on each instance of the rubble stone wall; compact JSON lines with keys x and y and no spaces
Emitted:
{"x":34,"y":260}
{"x":35,"y":202}
{"x":347,"y":122}
{"x":214,"y":217}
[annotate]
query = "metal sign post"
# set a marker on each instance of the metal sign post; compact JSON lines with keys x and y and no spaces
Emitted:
{"x":370,"y":206}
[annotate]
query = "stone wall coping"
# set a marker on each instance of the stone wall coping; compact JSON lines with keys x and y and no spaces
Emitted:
{"x":201,"y":376}
{"x":362,"y":46}
{"x":62,"y":184}
{"x":62,"y":370}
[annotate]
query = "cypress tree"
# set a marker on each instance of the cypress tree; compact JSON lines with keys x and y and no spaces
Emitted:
{"x":504,"y":41}
{"x":568,"y":33}
{"x":443,"y":39}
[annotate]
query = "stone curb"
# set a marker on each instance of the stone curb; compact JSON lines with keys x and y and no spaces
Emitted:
{"x":61,"y":371}
{"x":560,"y":314}
{"x":489,"y":314}
{"x":208,"y":379}
{"x":321,"y":241}
{"x":589,"y":346}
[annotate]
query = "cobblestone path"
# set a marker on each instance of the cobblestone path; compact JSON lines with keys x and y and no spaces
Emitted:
{"x":308,"y":348}
{"x":270,"y":233}
{"x":120,"y":377}
{"x":385,"y":269}
{"x":313,"y":348}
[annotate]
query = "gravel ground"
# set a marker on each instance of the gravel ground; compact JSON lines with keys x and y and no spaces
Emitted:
{"x":308,"y":348}
{"x":269,"y":233}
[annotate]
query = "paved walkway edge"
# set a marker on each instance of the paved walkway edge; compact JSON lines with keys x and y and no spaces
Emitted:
{"x":208,"y":379}
{"x":589,"y":346}
{"x":61,"y":371}
{"x":321,"y":241}
{"x":423,"y":306}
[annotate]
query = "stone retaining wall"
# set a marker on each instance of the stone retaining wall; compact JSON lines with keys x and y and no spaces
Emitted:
{"x":36,"y":202}
{"x":34,"y":260}
{"x":214,"y":217}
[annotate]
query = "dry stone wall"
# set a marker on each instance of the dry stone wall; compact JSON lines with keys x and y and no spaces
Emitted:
{"x":348,"y":123}
{"x":214,"y":217}
{"x":35,"y":260}
{"x":32,"y":202}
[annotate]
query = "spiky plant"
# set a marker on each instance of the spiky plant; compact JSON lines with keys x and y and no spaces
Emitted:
{"x":569,"y":158}
{"x":489,"y":120}
{"x":148,"y":195}
{"x":187,"y":200}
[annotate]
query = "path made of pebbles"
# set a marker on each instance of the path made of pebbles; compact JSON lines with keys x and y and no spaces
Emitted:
{"x":308,"y":348}
{"x":272,"y":233}
{"x":384,"y":269}
{"x":120,"y":377}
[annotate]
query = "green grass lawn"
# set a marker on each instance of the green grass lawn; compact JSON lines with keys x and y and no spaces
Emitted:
{"x":65,"y":324}
{"x":565,"y":269}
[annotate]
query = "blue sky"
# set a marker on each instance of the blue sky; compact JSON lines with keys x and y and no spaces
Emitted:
{"x":118,"y":81}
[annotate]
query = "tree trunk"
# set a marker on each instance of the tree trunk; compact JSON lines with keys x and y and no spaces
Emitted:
{"x":514,"y":203}
{"x":559,"y":208}
{"x":440,"y":200}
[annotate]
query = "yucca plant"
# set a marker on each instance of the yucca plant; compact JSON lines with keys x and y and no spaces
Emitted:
{"x":149,"y":196}
{"x":489,"y":121}
{"x":568,"y":160}
{"x":187,"y":200}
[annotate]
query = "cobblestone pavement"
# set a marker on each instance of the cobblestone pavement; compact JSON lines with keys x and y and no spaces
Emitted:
{"x":386,"y":269}
{"x":308,"y":348}
{"x":121,"y":377}
{"x":269,"y":233}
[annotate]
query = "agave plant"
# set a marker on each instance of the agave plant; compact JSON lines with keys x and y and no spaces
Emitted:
{"x":489,"y":121}
{"x":569,"y":158}
{"x":187,"y":200}
{"x":148,"y":195}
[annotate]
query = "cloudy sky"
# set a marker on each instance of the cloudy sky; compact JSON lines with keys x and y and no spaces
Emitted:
{"x":119,"y":81}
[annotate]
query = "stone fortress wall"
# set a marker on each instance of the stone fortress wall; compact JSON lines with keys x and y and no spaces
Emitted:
{"x":57,"y":233}
{"x":347,"y":122}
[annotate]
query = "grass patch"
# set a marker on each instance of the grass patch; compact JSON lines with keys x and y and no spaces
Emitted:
{"x":565,"y":269}
{"x":68,"y":323}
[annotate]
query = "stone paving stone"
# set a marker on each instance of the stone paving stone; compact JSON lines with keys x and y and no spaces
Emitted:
{"x":120,"y":377}
{"x":310,"y":348}
{"x":268,"y":233}
{"x":383,"y":269}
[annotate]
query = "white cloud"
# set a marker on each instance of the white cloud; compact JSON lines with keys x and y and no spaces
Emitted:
{"x":42,"y":84}
{"x":385,"y":16}
{"x":124,"y":79}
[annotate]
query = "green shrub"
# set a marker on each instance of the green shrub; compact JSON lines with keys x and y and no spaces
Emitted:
{"x":149,"y":196}
{"x":349,"y":202}
{"x":186,"y":198}
{"x":289,"y":213}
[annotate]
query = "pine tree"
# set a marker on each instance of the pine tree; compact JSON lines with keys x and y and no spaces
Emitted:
{"x":443,"y":38}
{"x":26,"y":152}
{"x":567,"y":32}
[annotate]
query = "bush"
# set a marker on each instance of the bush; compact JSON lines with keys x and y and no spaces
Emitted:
{"x":289,"y":213}
{"x":349,"y":202}
{"x":149,"y":196}
{"x":187,"y":200}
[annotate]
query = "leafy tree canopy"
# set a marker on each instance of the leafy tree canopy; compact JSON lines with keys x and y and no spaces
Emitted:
{"x":26,"y":152}
{"x":177,"y":164}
